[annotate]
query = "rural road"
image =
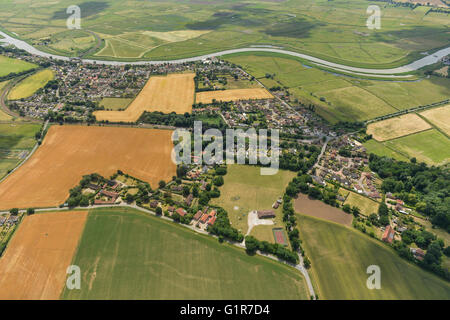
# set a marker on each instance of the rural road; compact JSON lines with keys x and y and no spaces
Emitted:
{"x":386,"y":73}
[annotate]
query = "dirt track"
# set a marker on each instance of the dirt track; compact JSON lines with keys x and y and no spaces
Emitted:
{"x":171,"y":93}
{"x":69,"y":152}
{"x":35,"y":262}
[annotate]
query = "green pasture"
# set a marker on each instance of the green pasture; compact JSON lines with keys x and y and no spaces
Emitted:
{"x":125,"y":254}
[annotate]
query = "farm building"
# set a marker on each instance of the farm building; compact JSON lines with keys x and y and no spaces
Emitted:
{"x":154,"y":204}
{"x":181,"y":212}
{"x":198,"y":215}
{"x":204,"y":218}
{"x":264,"y":214}
{"x":388,"y":235}
{"x":189,"y":199}
{"x":211,"y":221}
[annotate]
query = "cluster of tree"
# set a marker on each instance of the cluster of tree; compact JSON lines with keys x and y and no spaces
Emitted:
{"x":382,"y":218}
{"x":76,"y":198}
{"x":252,"y":245}
{"x":426,"y":188}
{"x":142,"y":196}
{"x":13,"y":75}
{"x":421,"y":238}
{"x":354,"y":210}
{"x":291,"y":222}
{"x":223,"y":229}
{"x":347,"y":126}
{"x":432,"y":260}
{"x":181,"y":120}
{"x":301,"y":161}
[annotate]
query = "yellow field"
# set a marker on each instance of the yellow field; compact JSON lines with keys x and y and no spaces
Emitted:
{"x":69,"y":152}
{"x":397,"y":127}
{"x":233,"y":95}
{"x":440,"y":117}
{"x":176,"y":36}
{"x":30,"y":85}
{"x":35,"y":262}
{"x":171,"y":93}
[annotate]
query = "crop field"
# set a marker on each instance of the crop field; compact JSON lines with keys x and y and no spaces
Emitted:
{"x":366,"y":205}
{"x":27,"y":87}
{"x":431,"y":147}
{"x":171,"y":93}
{"x":233,"y":95}
{"x":138,"y":29}
{"x":125,"y":254}
{"x":245,"y":190}
{"x":378,"y":148}
{"x":340,"y":257}
{"x":34,"y":264}
{"x":355,"y":104}
{"x":338,"y":97}
{"x":440,"y":117}
{"x":15,"y":139}
{"x":3,"y":115}
{"x":8,"y":65}
{"x":79,"y":150}
{"x":316,"y":208}
{"x":115,"y":103}
{"x":397,"y":127}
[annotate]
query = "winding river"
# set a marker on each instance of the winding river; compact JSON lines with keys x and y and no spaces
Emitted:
{"x":385,"y":73}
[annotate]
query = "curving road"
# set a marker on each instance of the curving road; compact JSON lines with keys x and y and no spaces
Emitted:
{"x":385,"y":73}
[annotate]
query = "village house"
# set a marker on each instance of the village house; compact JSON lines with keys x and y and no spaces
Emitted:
{"x":388,"y":235}
{"x":265,"y":214}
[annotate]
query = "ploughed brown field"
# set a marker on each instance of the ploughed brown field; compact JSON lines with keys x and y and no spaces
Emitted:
{"x":35,"y":263}
{"x":316,"y":208}
{"x":233,"y":95}
{"x":171,"y":93}
{"x":69,"y":152}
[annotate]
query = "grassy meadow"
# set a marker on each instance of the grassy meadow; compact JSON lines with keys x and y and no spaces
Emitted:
{"x":8,"y":65}
{"x":366,"y":205}
{"x":156,"y":30}
{"x":115,"y":103}
{"x":14,"y":139}
{"x":27,"y":87}
{"x":125,"y":254}
{"x":338,"y":97}
{"x":245,"y":190}
{"x":430,"y":146}
{"x":340,"y":257}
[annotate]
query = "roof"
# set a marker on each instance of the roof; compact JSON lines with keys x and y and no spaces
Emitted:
{"x":388,"y":235}
{"x":212,"y":213}
{"x":198,"y":215}
{"x":204,"y":218}
{"x":181,"y":212}
{"x":265,"y":214}
{"x":212,"y":220}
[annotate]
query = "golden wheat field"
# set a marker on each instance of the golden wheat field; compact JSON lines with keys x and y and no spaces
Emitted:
{"x":35,"y":262}
{"x":440,"y":117}
{"x":397,"y":127}
{"x":69,"y":152}
{"x":233,"y":95}
{"x":171,"y":93}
